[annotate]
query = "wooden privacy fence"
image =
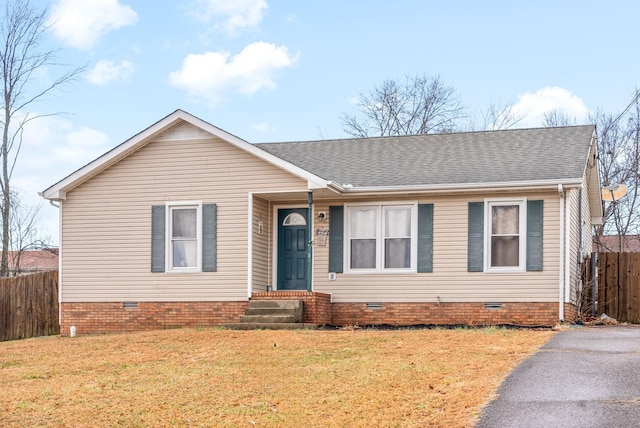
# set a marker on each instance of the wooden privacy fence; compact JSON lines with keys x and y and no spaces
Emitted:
{"x":618,"y":290}
{"x":29,"y":306}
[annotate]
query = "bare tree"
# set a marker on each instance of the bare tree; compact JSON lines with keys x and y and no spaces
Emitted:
{"x":418,"y":105}
{"x":24,"y":234}
{"x":558,"y":118}
{"x":22,"y":30}
{"x":619,"y":153}
{"x":500,"y":117}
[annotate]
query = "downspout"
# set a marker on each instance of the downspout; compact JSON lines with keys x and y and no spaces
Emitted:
{"x":567,"y":250}
{"x":250,"y":246}
{"x":310,"y":241}
{"x":59,"y":206}
{"x":561,"y":252}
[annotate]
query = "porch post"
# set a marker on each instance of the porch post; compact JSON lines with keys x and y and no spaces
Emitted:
{"x":310,"y":241}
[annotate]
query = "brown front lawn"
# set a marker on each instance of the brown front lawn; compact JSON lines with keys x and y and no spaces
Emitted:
{"x":221,"y":378}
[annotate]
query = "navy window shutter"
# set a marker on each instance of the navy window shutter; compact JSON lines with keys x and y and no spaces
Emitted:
{"x":336,"y":239}
{"x":209,"y":238}
{"x":475,"y":261}
{"x":157,"y":238}
{"x":425,"y":238}
{"x":534,"y":235}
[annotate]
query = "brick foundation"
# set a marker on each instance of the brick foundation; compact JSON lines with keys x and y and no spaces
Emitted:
{"x":99,"y":318}
{"x":570,"y":312}
{"x":405,"y":314}
{"x":316,"y":306}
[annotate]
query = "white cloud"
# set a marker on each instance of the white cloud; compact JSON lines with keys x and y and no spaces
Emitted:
{"x":211,"y":74}
{"x":533,"y":106}
{"x":235,"y":14}
{"x":55,"y":141}
{"x":106,"y":71}
{"x":261,"y":127}
{"x":81,"y":23}
{"x":52,"y":148}
{"x":81,"y":146}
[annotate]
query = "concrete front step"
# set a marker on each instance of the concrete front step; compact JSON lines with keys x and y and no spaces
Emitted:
{"x":275,"y":304}
{"x":273,"y":315}
{"x":273,"y":311}
{"x":271,"y":326}
{"x":269,"y":318}
{"x":268,"y":311}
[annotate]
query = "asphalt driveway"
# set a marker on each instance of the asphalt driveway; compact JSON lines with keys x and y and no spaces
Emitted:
{"x":583,"y":377}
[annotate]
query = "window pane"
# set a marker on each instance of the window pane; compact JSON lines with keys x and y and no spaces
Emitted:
{"x":184,"y":223}
{"x":294,"y":219}
{"x":363,"y":222}
{"x":505,"y":220}
{"x":185,"y":253}
{"x":505,"y":251}
{"x":397,"y":222}
{"x":363,"y":254}
{"x":397,"y":253}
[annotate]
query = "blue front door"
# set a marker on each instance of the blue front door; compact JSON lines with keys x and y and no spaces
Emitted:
{"x":292,"y":249}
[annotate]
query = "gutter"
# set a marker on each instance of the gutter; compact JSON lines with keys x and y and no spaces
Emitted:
{"x":457,"y":187}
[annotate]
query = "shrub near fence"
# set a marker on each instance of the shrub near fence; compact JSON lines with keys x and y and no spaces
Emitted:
{"x":29,"y":306}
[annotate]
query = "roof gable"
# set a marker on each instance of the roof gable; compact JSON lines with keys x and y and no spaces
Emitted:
{"x":178,"y":124}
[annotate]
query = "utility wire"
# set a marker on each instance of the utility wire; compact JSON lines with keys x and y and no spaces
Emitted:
{"x":629,"y":106}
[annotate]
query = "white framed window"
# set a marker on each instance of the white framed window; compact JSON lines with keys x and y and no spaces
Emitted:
{"x":184,"y":237}
{"x":505,"y":235}
{"x":381,"y":238}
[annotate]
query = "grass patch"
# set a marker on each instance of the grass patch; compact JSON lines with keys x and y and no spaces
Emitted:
{"x":213,"y":377}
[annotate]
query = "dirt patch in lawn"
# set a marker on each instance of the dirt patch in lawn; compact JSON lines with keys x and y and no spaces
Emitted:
{"x":221,"y":378}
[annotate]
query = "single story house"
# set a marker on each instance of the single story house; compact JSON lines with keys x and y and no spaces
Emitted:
{"x":184,"y":224}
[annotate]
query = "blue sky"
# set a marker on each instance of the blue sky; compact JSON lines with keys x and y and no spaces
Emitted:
{"x":268,"y":70}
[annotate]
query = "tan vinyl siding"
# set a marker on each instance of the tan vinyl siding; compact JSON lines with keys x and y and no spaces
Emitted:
{"x":261,"y":245}
{"x":587,"y":194}
{"x":106,"y":225}
{"x":450,"y":281}
{"x":592,"y":185}
{"x":574,"y":231}
{"x":581,"y":238}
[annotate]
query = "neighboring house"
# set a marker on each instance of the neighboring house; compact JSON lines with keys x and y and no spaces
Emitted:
{"x":184,"y":223}
{"x":29,"y":261}
{"x":615,"y":243}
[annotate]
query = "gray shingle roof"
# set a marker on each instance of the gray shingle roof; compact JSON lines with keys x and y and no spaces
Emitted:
{"x":435,"y":159}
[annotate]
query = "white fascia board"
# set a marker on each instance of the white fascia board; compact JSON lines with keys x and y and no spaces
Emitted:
{"x":58,"y":190}
{"x":464,"y":187}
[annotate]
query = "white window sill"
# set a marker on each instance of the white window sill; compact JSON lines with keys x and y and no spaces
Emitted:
{"x":505,"y":270}
{"x":190,"y":271}
{"x":381,"y":272}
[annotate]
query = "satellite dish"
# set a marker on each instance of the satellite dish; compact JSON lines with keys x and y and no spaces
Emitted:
{"x":614,"y":192}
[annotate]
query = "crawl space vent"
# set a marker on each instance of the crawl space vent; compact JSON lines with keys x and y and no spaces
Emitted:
{"x":130,"y":305}
{"x":493,"y":306}
{"x":374,"y":306}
